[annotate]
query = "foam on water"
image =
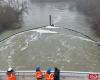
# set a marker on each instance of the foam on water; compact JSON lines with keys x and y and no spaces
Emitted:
{"x":59,"y":49}
{"x":53,"y":27}
{"x":43,"y":31}
{"x":82,"y":38}
{"x":23,"y":48}
{"x":35,"y":37}
{"x":3,"y":48}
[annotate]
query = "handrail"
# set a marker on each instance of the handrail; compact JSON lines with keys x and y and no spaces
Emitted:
{"x":74,"y":72}
{"x":64,"y":75}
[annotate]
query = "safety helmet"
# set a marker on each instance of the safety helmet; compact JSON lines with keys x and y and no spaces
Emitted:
{"x":10,"y":69}
{"x":48,"y":69}
{"x":37,"y":68}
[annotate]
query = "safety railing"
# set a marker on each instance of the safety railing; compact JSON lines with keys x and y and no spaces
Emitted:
{"x":64,"y":75}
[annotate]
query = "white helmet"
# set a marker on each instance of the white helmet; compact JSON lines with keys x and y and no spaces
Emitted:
{"x":10,"y":69}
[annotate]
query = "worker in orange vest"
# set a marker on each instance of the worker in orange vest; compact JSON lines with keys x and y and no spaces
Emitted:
{"x":10,"y":74}
{"x":38,"y":74}
{"x":49,"y":75}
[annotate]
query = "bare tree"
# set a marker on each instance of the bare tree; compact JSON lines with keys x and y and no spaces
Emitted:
{"x":10,"y":10}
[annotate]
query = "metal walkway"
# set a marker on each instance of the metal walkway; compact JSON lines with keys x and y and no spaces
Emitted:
{"x":64,"y":75}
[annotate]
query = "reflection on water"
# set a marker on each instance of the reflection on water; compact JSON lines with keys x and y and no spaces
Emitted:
{"x":50,"y":46}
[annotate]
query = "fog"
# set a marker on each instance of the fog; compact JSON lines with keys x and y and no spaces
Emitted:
{"x":91,"y":9}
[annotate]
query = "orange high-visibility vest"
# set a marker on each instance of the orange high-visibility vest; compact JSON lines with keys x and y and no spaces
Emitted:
{"x":11,"y":77}
{"x":39,"y":74}
{"x":49,"y":76}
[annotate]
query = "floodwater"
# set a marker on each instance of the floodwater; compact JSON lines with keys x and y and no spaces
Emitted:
{"x":51,"y":46}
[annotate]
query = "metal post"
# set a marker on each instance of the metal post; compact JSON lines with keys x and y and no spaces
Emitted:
{"x":18,"y":76}
{"x":50,"y":20}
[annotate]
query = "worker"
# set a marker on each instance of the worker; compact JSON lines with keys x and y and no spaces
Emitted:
{"x":11,"y":74}
{"x":49,"y":75}
{"x":38,"y":74}
{"x":56,"y":74}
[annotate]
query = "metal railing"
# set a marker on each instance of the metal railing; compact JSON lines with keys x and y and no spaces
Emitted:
{"x":64,"y":75}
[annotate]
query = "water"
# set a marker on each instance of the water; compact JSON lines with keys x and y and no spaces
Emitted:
{"x":51,"y":46}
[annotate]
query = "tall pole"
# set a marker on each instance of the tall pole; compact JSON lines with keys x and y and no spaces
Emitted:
{"x":50,"y":20}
